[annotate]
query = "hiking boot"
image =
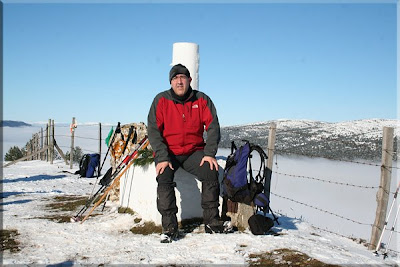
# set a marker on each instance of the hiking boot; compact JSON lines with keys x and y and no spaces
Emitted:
{"x":219,"y":227}
{"x":169,"y":236}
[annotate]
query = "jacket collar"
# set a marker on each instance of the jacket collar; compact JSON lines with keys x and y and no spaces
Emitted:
{"x":183,"y":98}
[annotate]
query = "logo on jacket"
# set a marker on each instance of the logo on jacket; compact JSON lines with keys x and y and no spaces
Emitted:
{"x":195,"y":106}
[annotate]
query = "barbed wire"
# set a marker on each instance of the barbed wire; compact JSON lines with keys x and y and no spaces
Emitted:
{"x":319,"y":209}
{"x":335,"y":233}
{"x":341,"y":235}
{"x":89,"y":125}
{"x":325,"y":181}
{"x":62,"y":135}
{"x":330,"y":158}
{"x":69,"y":136}
{"x":89,"y":138}
{"x":316,"y":227}
{"x":83,"y":150}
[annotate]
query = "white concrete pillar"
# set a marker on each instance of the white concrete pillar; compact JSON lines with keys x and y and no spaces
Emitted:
{"x":187,"y":54}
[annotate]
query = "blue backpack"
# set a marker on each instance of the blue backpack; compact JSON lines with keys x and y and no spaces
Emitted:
{"x":239,"y":184}
{"x":88,"y":165}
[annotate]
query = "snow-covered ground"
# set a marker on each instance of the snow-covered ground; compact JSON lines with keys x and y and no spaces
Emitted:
{"x":310,"y":195}
{"x":106,"y":239}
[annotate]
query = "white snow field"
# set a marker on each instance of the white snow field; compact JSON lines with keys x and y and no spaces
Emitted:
{"x":105,"y":239}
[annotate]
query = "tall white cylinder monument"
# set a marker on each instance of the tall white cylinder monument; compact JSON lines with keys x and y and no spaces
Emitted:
{"x":187,"y":54}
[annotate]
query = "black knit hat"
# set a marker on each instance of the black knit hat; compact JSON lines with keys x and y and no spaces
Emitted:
{"x":178,"y":69}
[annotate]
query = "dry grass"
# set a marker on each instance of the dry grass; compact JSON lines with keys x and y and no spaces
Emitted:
{"x":147,"y":228}
{"x":62,"y":204}
{"x":285,"y":257}
{"x":67,"y":203}
{"x":8,"y":241}
{"x":126,"y":210}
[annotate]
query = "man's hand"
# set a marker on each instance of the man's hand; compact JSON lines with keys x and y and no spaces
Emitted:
{"x":161,"y":167}
{"x":212,"y":161}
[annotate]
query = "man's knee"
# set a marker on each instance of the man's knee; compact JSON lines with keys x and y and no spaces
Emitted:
{"x":166,"y":178}
{"x":205,"y":174}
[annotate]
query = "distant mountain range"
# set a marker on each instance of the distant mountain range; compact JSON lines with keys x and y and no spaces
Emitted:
{"x":350,"y":140}
{"x":360,"y":139}
{"x":14,"y":124}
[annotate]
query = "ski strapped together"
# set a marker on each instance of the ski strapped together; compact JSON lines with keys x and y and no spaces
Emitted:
{"x":378,"y":245}
{"x":108,"y":174}
{"x":110,"y":179}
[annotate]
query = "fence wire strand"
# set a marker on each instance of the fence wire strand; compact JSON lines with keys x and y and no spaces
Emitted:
{"x":325,"y":181}
{"x":319,"y":209}
{"x":365,"y":243}
{"x":283,"y":151}
{"x":330,"y":158}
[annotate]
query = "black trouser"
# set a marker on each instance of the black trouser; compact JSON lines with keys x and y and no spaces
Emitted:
{"x":166,"y":200}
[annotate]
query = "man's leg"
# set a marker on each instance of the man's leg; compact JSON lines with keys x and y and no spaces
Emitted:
{"x":166,"y":200}
{"x":210,"y":185}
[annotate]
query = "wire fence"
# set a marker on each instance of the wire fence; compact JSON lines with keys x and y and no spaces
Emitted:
{"x":88,"y":138}
{"x":64,"y":133}
{"x":287,"y":174}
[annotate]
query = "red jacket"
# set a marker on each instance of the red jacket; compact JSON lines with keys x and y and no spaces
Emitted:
{"x":177,"y":127}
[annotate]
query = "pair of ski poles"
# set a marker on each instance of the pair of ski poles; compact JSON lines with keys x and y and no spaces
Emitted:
{"x":378,"y":246}
{"x":113,"y":177}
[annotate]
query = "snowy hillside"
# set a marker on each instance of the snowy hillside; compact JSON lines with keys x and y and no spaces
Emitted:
{"x":35,"y":216}
{"x":360,"y":139}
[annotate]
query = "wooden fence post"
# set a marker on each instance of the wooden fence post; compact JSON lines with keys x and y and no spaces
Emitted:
{"x":271,"y":145}
{"x":41,"y":142}
{"x":51,"y":141}
{"x":72,"y":142}
{"x":100,"y":138}
{"x":382,"y":196}
{"x":48,"y":140}
{"x":29,"y":149}
{"x":33,"y":146}
{"x":98,"y":168}
{"x":35,"y":143}
{"x":270,"y":160}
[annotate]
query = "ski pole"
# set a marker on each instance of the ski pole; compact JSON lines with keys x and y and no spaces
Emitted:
{"x":391,"y":233}
{"x":116,"y":173}
{"x":131,"y":129}
{"x":117,"y":130}
{"x":378,"y":245}
{"x":103,"y":187}
{"x":133,"y":158}
{"x":87,"y":205}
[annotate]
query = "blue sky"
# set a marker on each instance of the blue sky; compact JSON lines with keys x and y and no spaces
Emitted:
{"x":106,"y":62}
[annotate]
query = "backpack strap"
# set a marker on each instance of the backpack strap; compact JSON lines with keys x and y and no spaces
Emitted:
{"x":233,"y":147}
{"x":263,"y":158}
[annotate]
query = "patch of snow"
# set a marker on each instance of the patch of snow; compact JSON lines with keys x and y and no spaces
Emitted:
{"x":106,"y":239}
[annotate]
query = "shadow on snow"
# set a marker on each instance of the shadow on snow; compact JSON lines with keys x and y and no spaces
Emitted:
{"x":33,"y":178}
{"x":16,"y":202}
